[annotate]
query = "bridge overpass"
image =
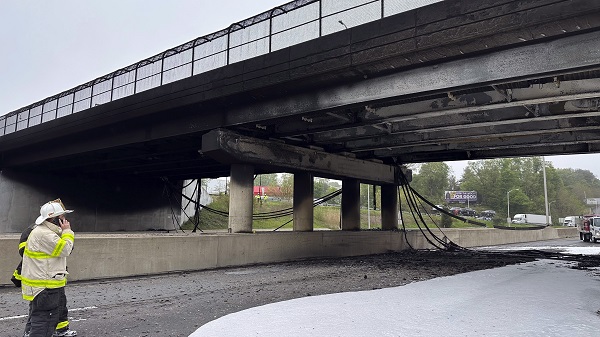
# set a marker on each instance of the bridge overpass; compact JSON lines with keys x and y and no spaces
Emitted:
{"x":348,"y":91}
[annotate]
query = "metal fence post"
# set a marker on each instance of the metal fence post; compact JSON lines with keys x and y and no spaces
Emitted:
{"x":162,"y":67}
{"x":320,"y":18}
{"x":270,"y":29}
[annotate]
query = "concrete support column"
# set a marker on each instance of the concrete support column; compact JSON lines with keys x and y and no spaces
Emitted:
{"x":303,"y":202}
{"x":240,"y":198}
{"x":350,"y":205}
{"x":389,"y":207}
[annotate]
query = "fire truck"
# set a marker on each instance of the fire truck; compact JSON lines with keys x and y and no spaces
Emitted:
{"x":588,"y":227}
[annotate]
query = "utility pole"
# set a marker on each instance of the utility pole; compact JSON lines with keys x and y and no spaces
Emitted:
{"x":545,"y":192}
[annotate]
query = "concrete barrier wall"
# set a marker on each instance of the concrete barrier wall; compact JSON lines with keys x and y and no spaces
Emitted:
{"x":98,"y":256}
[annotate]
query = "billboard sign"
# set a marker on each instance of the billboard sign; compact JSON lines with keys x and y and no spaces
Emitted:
{"x":592,"y":201}
{"x":460,"y":196}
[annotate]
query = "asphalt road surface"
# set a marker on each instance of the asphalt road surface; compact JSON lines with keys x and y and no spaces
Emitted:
{"x":177,"y":304}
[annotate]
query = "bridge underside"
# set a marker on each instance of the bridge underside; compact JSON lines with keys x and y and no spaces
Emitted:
{"x":518,"y":102}
{"x":451,"y":81}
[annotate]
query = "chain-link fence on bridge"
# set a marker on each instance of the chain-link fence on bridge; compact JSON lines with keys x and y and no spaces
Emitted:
{"x":283,"y":26}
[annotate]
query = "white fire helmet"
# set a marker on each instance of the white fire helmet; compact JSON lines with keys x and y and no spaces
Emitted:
{"x":51,"y":209}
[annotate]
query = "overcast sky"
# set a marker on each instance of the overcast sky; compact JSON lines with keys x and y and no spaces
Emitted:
{"x":51,"y":46}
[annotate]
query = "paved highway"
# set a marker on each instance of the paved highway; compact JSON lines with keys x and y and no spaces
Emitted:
{"x":177,"y":304}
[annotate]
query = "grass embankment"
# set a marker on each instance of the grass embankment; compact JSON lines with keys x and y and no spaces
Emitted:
{"x":325,"y":217}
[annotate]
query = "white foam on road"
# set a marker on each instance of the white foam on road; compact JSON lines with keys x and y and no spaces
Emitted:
{"x":564,"y":249}
{"x":541,"y":298}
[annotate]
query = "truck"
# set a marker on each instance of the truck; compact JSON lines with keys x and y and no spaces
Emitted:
{"x":594,"y":223}
{"x":532,"y":219}
{"x":589,"y":230}
{"x":571,"y":221}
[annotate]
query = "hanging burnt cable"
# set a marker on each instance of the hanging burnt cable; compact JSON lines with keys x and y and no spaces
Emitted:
{"x":414,"y":211}
{"x":193,"y":193}
{"x":183,"y":208}
{"x":167,"y":191}
{"x":285,"y":223}
{"x":445,"y":241}
{"x":197,"y":190}
{"x":469,"y":221}
{"x":449,"y":244}
{"x":290,"y":210}
{"x":169,"y":187}
{"x":196,"y":219}
{"x":410,"y":193}
{"x":316,"y":203}
{"x":402,"y":219}
{"x":256,"y":216}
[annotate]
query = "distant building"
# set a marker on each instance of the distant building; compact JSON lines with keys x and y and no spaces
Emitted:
{"x":270,"y":191}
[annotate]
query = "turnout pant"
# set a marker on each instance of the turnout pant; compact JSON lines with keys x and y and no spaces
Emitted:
{"x":63,"y":312}
{"x":44,"y":312}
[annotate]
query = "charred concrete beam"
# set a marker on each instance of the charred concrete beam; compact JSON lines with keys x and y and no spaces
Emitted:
{"x":229,"y":147}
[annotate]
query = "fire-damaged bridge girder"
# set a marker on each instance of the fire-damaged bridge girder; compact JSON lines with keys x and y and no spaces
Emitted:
{"x":231,"y":148}
{"x":508,"y":102}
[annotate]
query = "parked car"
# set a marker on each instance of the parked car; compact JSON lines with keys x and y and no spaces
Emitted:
{"x":487,"y":214}
{"x":468,"y":212}
{"x":456,"y":210}
{"x":436,"y":211}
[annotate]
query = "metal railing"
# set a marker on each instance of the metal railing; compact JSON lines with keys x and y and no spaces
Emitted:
{"x":283,"y":26}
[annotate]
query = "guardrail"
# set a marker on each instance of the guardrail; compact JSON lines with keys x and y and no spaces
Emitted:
{"x":283,"y":26}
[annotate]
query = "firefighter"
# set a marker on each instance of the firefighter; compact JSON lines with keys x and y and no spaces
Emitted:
{"x":44,"y":271}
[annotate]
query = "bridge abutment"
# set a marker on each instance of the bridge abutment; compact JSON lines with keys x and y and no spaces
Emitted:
{"x":100,"y":204}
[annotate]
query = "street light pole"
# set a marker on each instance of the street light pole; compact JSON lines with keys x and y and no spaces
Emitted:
{"x":508,"y":205}
{"x":549,"y":209}
{"x":545,"y":192}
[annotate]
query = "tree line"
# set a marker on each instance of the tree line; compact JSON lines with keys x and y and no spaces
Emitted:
{"x":523,"y":177}
{"x":492,"y":179}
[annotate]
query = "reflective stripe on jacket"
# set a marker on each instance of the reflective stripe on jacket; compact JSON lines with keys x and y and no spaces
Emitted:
{"x":45,"y":259}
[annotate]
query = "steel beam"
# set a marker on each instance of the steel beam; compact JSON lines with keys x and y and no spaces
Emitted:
{"x":504,"y":142}
{"x":530,"y":150}
{"x":567,"y":55}
{"x":461,"y":109}
{"x":469,"y":133}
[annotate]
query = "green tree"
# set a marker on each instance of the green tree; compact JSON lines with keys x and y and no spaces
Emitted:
{"x":320,"y":188}
{"x":432,"y":180}
{"x":266,"y":180}
{"x":492,"y":179}
{"x":287,"y":185}
{"x":577,"y":185}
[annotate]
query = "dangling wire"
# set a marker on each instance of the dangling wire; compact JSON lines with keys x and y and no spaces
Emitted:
{"x":413,"y":204}
{"x":402,"y":218}
{"x":198,"y":190}
{"x":257,"y":216}
{"x":167,"y":191}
